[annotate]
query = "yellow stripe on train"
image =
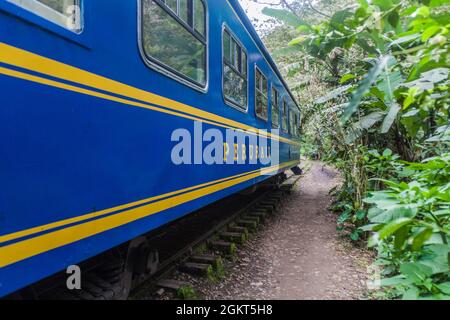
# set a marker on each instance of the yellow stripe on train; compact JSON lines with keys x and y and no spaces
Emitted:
{"x":18,"y":251}
{"x":27,"y":60}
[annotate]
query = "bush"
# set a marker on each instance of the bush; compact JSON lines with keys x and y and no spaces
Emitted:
{"x":411,"y":224}
{"x":383,"y":66}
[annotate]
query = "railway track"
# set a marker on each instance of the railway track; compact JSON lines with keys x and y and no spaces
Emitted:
{"x":196,"y":244}
{"x":203,"y":256}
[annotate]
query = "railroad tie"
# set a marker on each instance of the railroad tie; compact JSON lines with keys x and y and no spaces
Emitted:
{"x":233,"y":237}
{"x":269,"y":202}
{"x":267,"y":207}
{"x":274,"y":200}
{"x":250,"y":225}
{"x":261,"y":209}
{"x":215,"y":261}
{"x":223,"y":246}
{"x":172,"y":285}
{"x":238,"y":229}
{"x":201,"y":269}
{"x":255,"y":219}
{"x":102,"y":289}
{"x":261,"y":215}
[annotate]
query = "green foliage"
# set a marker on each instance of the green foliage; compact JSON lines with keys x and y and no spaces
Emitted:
{"x":217,"y":271}
{"x":411,"y":223}
{"x":399,"y":83}
{"x":373,"y":80}
{"x":187,"y":292}
{"x":286,"y":16}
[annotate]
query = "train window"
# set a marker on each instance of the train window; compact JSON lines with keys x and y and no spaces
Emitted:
{"x":174,"y":38}
{"x":183,"y":10}
{"x":261,"y":96}
{"x":234,"y":72}
{"x":275,"y":105}
{"x":296,"y":124}
{"x":291,"y":122}
{"x":66,"y":13}
{"x":284,"y":115}
{"x":172,"y":4}
{"x":244,"y":63}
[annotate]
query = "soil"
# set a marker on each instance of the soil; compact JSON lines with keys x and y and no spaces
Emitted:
{"x":299,"y":254}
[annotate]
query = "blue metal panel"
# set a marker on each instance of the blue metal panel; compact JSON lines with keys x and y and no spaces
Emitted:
{"x":65,"y":154}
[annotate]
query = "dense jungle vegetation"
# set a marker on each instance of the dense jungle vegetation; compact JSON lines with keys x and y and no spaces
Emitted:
{"x":372,"y":78}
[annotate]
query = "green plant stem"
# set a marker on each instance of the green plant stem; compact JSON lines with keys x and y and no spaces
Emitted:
{"x":411,"y":50}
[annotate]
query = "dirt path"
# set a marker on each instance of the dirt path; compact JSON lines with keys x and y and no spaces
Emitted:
{"x":299,"y":255}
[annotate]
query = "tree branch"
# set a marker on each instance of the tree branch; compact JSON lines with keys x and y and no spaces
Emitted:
{"x":317,"y":11}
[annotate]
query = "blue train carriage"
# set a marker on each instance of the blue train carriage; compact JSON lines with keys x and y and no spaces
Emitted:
{"x":97,"y":95}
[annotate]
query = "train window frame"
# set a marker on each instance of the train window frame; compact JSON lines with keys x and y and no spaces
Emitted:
{"x":277,"y":103}
{"x":294,"y":122}
{"x":284,"y":114}
{"x":259,"y":90}
{"x":52,"y":15}
{"x":297,"y":124}
{"x":290,"y":120}
{"x":241,"y":74}
{"x":271,"y":65}
{"x":164,"y":69}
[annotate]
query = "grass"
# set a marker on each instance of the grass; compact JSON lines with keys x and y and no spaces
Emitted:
{"x":187,"y":292}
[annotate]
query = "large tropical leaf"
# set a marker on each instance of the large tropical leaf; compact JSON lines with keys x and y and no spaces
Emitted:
{"x":364,"y":87}
{"x":428,"y":79}
{"x":390,"y":117}
{"x":365,"y":123}
{"x":333,"y":94}
{"x":383,"y":4}
{"x":285,"y":16}
{"x":416,"y":271}
{"x":388,"y":83}
{"x":337,"y":20}
{"x":281,"y":52}
{"x":420,"y":237}
{"x":392,"y":227}
{"x":387,"y":216}
{"x":405,"y":39}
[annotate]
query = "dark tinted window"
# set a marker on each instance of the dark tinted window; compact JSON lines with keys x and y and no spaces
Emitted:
{"x":66,"y":13}
{"x":275,"y":105}
{"x":234,"y":71}
{"x":284,"y":116}
{"x":261,"y":90}
{"x":174,"y":36}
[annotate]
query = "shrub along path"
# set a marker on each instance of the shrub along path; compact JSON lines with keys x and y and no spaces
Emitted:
{"x":299,"y":254}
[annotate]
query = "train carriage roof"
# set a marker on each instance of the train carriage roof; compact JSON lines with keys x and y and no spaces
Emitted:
{"x":251,"y":29}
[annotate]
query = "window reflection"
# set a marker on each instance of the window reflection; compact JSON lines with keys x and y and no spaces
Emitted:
{"x":66,"y":13}
{"x":234,"y":71}
{"x":172,"y":42}
{"x":284,"y":115}
{"x":261,"y":100}
{"x":275,"y":108}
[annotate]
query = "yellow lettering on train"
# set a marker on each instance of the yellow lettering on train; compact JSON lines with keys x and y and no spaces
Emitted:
{"x":226,"y":151}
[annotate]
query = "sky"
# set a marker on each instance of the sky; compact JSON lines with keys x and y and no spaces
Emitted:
{"x":254,"y":9}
